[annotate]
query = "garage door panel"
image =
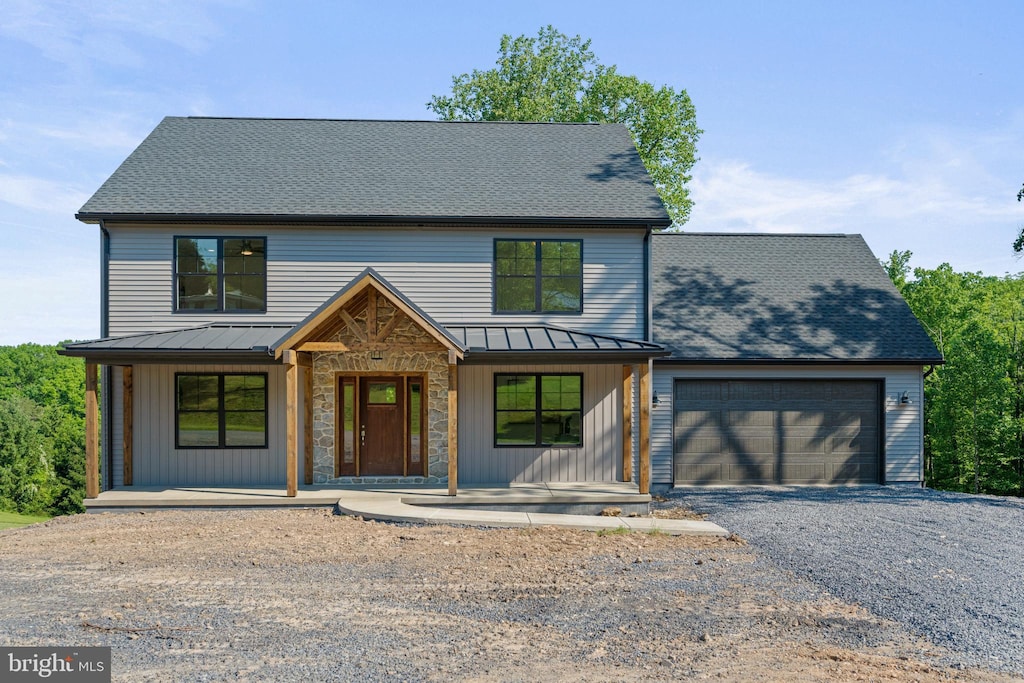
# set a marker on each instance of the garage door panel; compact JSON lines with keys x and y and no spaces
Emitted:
{"x":696,"y":473}
{"x":803,"y":472}
{"x":690,"y":419}
{"x":739,"y":445}
{"x":794,"y":446}
{"x":853,"y":472}
{"x":842,"y":391}
{"x":699,"y":391}
{"x":854,"y":418}
{"x":804,"y":418}
{"x":696,"y":446}
{"x":808,"y":391}
{"x":751,"y":418}
{"x":753,"y":472}
{"x":750,"y":391}
{"x":778,"y":431}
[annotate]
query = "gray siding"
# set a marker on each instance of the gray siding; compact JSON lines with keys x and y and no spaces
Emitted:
{"x":447,"y":272}
{"x":600,"y":458}
{"x":904,"y":424}
{"x":117,"y":427}
{"x":156,"y":462}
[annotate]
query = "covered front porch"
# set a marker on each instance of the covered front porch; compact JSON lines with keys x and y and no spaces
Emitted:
{"x":365,"y":391}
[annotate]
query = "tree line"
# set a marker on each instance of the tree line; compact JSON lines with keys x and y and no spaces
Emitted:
{"x":42,"y":431}
{"x":974,"y":404}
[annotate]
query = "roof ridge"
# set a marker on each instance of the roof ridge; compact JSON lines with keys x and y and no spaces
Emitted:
{"x":756,"y":234}
{"x":445,"y":121}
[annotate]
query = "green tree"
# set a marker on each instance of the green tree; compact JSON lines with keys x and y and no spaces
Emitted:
{"x":1018,"y":245}
{"x":557,"y":78}
{"x":42,"y":430}
{"x":26,"y":474}
{"x":974,"y":409}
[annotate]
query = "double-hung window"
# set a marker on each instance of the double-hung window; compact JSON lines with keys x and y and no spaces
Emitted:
{"x":221,"y":274}
{"x":220,"y":410}
{"x":538,"y":276}
{"x":538,"y":409}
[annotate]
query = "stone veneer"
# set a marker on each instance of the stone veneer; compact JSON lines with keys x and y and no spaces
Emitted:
{"x":430,"y":358}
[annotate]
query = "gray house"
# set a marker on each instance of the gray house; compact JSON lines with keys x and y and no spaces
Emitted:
{"x":331,"y":302}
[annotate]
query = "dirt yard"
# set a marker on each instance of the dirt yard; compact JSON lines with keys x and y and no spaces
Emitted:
{"x":307,"y":595}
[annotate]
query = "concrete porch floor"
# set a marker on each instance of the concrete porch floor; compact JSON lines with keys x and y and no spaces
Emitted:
{"x":609,"y":493}
{"x":515,"y":505}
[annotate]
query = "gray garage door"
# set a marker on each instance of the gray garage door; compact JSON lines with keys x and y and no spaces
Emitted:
{"x":777,"y":432}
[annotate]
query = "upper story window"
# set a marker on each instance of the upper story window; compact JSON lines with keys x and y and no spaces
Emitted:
{"x":538,"y":276}
{"x":225,"y":274}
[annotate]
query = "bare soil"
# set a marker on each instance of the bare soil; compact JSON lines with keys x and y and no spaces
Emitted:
{"x":307,"y":595}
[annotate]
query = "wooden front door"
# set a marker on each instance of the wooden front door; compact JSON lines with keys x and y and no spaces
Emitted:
{"x":381,"y":428}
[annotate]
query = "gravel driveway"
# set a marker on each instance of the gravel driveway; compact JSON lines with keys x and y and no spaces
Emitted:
{"x":948,"y":566}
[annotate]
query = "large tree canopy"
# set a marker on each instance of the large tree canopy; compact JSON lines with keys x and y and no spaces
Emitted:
{"x":557,"y":78}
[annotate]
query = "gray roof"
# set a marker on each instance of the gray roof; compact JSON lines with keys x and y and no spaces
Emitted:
{"x":534,"y":341}
{"x":776,"y":297}
{"x":308,"y":169}
{"x":208,"y":342}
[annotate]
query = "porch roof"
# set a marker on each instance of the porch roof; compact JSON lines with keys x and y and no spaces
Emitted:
{"x":210,"y":343}
{"x":537,"y":343}
{"x":255,"y":344}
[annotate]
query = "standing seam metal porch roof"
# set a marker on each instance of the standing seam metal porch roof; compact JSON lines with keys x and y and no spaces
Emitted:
{"x":255,"y":343}
{"x":336,"y":170}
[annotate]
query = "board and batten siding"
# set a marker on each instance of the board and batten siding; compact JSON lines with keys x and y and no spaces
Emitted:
{"x":447,"y":272}
{"x":156,"y":461}
{"x":904,"y":423}
{"x":116,"y":428}
{"x":599,"y":459}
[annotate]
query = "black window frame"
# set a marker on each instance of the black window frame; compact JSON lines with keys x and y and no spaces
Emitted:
{"x":538,"y":278}
{"x":538,"y":410}
{"x":221,"y":293}
{"x":221,"y":412}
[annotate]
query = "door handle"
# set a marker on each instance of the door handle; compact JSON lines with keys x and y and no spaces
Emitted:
{"x":362,"y":434}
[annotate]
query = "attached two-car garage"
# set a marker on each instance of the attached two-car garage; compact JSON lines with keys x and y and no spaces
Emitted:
{"x":735,"y":432}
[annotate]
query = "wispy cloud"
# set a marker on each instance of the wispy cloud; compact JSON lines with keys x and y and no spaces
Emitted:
{"x":77,"y":34}
{"x":41,"y":194}
{"x":936,"y":191}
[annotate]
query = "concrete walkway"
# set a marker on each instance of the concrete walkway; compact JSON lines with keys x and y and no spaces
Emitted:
{"x":391,"y":507}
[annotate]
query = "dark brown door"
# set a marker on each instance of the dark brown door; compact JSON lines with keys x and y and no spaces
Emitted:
{"x":381,"y":433}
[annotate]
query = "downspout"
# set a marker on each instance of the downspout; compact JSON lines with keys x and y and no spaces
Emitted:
{"x":108,"y":372}
{"x":648,"y":312}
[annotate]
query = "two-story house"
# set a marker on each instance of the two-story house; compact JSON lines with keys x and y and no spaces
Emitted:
{"x":328,"y":302}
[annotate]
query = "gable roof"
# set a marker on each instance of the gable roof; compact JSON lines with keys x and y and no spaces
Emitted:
{"x":389,"y":171}
{"x":776,"y":297}
{"x":368,"y":278}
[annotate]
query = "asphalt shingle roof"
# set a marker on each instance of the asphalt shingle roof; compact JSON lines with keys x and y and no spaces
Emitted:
{"x":344,"y":169}
{"x":726,"y":297}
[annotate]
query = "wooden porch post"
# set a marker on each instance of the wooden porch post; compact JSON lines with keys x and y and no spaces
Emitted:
{"x":128,"y":417}
{"x":291,"y":390}
{"x":307,"y":423}
{"x":645,"y":427}
{"x":627,"y":423}
{"x":92,"y":433}
{"x":453,"y":424}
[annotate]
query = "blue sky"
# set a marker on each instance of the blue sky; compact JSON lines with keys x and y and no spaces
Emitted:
{"x":900,"y":121}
